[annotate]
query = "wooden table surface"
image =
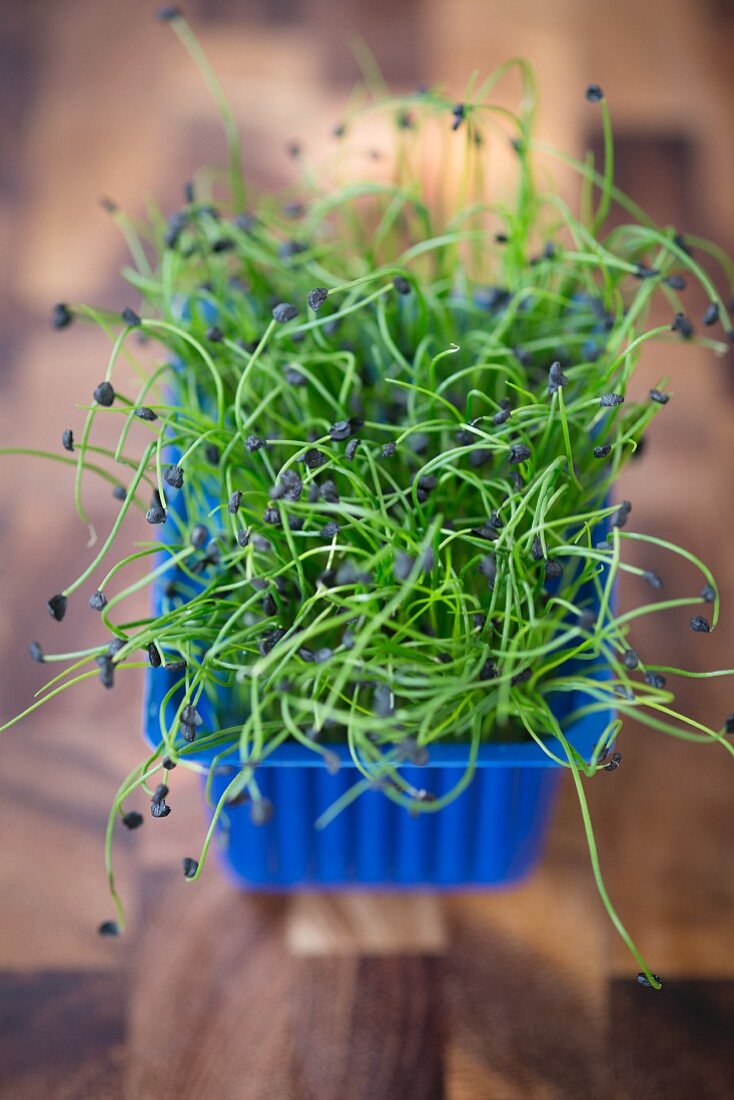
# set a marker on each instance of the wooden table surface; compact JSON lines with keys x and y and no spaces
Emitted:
{"x":212,"y":993}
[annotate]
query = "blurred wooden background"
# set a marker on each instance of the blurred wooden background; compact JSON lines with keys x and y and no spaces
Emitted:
{"x":519,"y":994}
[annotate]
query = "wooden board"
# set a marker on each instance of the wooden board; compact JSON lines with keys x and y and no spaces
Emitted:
{"x":518,"y":994}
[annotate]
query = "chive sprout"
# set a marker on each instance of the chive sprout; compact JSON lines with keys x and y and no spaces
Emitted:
{"x":337,"y":586}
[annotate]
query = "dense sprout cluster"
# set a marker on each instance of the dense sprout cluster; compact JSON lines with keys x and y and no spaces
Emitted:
{"x":382,"y":442}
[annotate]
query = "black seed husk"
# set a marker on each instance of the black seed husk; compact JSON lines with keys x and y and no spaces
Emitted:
{"x":130,"y":317}
{"x":191,"y":716}
{"x":156,"y":513}
{"x":643,"y":271}
{"x":643,"y":981}
{"x":682,"y":325}
{"x":556,"y":377}
{"x":521,"y":677}
{"x":711,"y":315}
{"x":199,"y":536}
{"x":313,"y":458}
{"x":57,"y":607}
{"x":269,"y":640}
{"x":486,"y":531}
{"x":106,"y":670}
{"x":329,"y":492}
{"x":518,"y":453}
{"x":293,"y":376}
{"x":619,"y":519}
{"x":317,"y":297}
{"x":104,"y":394}
{"x":284,"y":311}
{"x":174,"y":476}
{"x":62,"y":316}
{"x":98,"y":600}
{"x":188,"y":732}
{"x":340,"y":431}
{"x":614,"y":763}
{"x":288,"y":487}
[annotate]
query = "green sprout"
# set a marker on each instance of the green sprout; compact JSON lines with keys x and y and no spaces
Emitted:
{"x":381,"y":446}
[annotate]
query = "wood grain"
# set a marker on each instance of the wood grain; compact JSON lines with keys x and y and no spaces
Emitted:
{"x":365,"y":923}
{"x":516,"y":994}
{"x":62,"y":1034}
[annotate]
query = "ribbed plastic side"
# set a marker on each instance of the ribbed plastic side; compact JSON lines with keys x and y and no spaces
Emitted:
{"x":492,"y":834}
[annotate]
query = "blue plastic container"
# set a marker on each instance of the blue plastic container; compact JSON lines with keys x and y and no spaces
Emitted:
{"x":490,"y":835}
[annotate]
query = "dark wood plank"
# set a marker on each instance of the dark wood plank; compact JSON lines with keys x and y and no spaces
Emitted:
{"x":518,"y":1025}
{"x":378,"y":1032}
{"x":62,"y":1035}
{"x":210,"y":992}
{"x":677,"y":1044}
{"x":219,"y":1003}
